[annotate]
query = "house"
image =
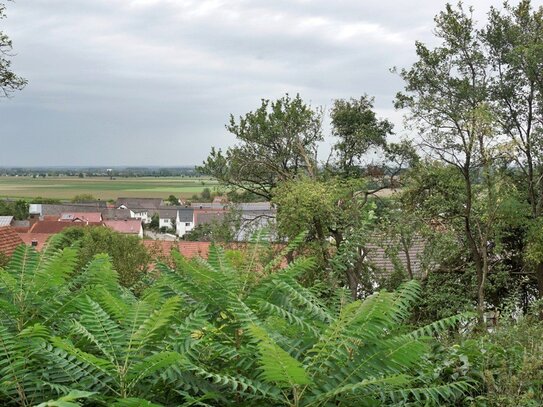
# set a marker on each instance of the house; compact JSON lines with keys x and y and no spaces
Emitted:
{"x":6,"y":220}
{"x":128,"y":226}
{"x":80,"y":217}
{"x":140,"y":208}
{"x":166,"y":217}
{"x":9,"y":240}
{"x":184,"y":221}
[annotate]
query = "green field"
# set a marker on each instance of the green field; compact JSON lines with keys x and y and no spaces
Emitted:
{"x":102,"y":187}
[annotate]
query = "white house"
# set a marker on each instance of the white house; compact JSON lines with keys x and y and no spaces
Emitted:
{"x":167,"y":218}
{"x":184,"y":221}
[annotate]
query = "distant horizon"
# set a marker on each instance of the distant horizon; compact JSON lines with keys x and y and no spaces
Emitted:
{"x":146,"y":81}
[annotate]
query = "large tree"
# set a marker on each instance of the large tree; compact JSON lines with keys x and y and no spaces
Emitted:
{"x":514,"y":40}
{"x":276,"y":142}
{"x":446,"y":94}
{"x":9,"y":81}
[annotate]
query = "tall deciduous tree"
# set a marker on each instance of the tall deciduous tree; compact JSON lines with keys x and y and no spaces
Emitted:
{"x":358,"y":130}
{"x":9,"y":81}
{"x":514,"y":39}
{"x":446,"y":93}
{"x":276,"y":142}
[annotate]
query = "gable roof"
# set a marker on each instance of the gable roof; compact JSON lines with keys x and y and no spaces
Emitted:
{"x":51,"y":226}
{"x":129,"y":226}
{"x":139,"y":203}
{"x":186,"y":215}
{"x":5,"y":220}
{"x":115,"y":214}
{"x":38,"y":239}
{"x":204,"y":217}
{"x":57,"y":209}
{"x":80,"y":216}
{"x":9,"y":240}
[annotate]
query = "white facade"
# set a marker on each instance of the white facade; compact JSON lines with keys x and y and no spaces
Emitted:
{"x":167,"y":223}
{"x":183,"y":226}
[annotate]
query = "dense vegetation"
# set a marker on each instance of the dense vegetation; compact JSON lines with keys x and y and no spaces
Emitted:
{"x":208,"y":332}
{"x":458,"y":325}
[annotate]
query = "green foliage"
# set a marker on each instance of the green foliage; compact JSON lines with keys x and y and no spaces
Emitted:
{"x":18,"y":209}
{"x":205,"y":333}
{"x":172,"y":200}
{"x":276,"y":142}
{"x":358,"y":130}
{"x":128,"y":254}
{"x":83,"y":198}
{"x":9,"y":80}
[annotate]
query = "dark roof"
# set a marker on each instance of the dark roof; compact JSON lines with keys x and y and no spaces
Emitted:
{"x":186,"y":215}
{"x":208,"y":205}
{"x":140,"y":203}
{"x":115,"y":214}
{"x":384,"y":262}
{"x":9,"y":240}
{"x":204,"y":217}
{"x":57,"y":209}
{"x":166,"y":213}
{"x":50,"y":226}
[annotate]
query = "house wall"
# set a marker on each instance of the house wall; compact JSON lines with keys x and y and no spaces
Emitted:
{"x":166,"y":223}
{"x":183,"y":228}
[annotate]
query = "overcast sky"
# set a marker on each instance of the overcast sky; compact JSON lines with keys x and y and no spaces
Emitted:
{"x":152,"y":82}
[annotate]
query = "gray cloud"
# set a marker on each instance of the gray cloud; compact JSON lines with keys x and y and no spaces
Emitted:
{"x":135,"y":82}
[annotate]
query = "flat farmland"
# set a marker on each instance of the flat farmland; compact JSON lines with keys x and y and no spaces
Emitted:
{"x":102,"y":187}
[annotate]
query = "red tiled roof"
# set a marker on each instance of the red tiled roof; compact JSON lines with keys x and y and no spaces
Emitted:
{"x":187,"y":249}
{"x":48,"y":226}
{"x":39,"y":238}
{"x":9,"y":240}
{"x":131,"y":226}
{"x":80,"y":217}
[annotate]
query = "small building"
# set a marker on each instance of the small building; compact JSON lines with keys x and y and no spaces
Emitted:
{"x":184,"y":221}
{"x":166,"y":217}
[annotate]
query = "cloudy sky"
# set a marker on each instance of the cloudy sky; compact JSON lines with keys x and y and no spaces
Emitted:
{"x":152,"y":82}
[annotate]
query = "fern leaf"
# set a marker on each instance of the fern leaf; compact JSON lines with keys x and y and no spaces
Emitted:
{"x":277,"y":365}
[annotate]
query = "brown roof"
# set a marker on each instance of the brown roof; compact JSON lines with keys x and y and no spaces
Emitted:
{"x":38,"y":238}
{"x":80,"y":217}
{"x":187,"y":249}
{"x":48,"y":226}
{"x":130,"y":226}
{"x":9,"y":240}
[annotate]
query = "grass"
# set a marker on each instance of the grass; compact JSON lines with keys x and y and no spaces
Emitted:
{"x":103,"y":187}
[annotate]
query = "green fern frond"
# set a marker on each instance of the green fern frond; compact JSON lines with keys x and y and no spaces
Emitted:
{"x":150,"y":365}
{"x":442,"y":325}
{"x":277,"y":365}
{"x":159,"y":318}
{"x":135,"y":402}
